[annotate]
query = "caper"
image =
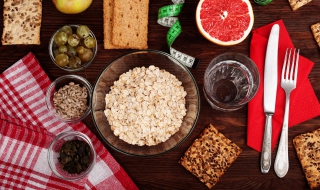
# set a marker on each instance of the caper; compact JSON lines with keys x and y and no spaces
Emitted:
{"x":74,"y":156}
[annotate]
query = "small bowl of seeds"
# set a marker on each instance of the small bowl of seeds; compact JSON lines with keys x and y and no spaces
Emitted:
{"x":69,"y":98}
{"x":71,"y":155}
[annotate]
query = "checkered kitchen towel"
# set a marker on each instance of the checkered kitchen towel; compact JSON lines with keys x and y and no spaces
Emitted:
{"x":26,"y":131}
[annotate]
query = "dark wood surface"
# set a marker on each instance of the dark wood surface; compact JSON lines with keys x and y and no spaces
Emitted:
{"x":164,"y":172}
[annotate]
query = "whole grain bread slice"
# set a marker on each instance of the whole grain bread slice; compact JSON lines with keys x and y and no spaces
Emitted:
{"x":130,"y":24}
{"x":315,"y":28}
{"x":308,"y":152}
{"x":22,"y":22}
{"x":210,"y":155}
{"x":296,"y":4}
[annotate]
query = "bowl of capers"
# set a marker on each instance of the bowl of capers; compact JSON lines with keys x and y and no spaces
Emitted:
{"x":71,"y":155}
{"x":73,"y":47}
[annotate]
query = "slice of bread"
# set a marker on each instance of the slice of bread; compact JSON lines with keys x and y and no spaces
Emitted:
{"x":296,"y":4}
{"x":307,"y":148}
{"x":209,"y":156}
{"x":130,"y":24}
{"x":107,"y":24}
{"x":22,"y":22}
{"x":315,"y":28}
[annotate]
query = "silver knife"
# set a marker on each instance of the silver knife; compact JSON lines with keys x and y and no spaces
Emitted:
{"x":269,"y":96}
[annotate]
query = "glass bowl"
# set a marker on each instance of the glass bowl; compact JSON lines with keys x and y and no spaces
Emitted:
{"x":53,"y":155}
{"x":139,"y":59}
{"x":52,"y":47}
{"x":61,"y":82}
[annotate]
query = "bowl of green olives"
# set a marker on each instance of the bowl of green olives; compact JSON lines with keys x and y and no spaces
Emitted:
{"x":73,"y":47}
{"x":71,"y":155}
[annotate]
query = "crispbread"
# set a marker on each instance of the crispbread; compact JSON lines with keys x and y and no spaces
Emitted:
{"x":107,"y":24}
{"x":315,"y":28}
{"x":296,"y":4}
{"x":307,"y":148}
{"x":210,"y":155}
{"x":130,"y":24}
{"x":22,"y":22}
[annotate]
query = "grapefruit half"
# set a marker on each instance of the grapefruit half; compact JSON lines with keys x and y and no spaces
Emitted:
{"x":224,"y":22}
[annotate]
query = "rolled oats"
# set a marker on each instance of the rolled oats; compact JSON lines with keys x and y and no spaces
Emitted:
{"x":145,"y":106}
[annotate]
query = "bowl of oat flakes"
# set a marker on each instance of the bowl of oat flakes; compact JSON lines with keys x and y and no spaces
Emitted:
{"x":145,"y":103}
{"x":69,"y":98}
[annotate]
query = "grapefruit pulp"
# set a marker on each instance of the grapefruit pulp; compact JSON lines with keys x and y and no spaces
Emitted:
{"x":224,"y":22}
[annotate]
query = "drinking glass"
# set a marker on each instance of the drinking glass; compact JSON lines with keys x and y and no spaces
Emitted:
{"x":230,"y":81}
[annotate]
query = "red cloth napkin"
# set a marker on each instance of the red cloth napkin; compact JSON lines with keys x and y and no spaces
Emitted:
{"x":304,"y":104}
{"x":27,"y":129}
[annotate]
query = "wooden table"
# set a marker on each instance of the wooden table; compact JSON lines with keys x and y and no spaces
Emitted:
{"x":164,"y":172}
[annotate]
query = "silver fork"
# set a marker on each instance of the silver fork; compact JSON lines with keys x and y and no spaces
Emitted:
{"x":288,"y":83}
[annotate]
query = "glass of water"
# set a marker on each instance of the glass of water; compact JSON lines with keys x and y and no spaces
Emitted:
{"x":230,"y":81}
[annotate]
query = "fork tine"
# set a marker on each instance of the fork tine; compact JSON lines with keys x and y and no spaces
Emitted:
{"x":288,"y":65}
{"x":296,"y":67}
{"x":284,"y":64}
{"x":292,"y":65}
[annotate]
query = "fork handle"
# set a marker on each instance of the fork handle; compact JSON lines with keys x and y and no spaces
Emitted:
{"x":265,"y":159}
{"x":281,"y":164}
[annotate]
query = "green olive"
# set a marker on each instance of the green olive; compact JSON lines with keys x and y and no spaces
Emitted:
{"x":62,"y":60}
{"x":86,"y":56}
{"x":60,"y":38}
{"x":83,"y":31}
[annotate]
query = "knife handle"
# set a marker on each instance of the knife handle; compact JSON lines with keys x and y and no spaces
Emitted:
{"x":265,"y":160}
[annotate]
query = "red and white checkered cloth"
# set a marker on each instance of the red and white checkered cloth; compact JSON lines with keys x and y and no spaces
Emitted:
{"x":27,"y":129}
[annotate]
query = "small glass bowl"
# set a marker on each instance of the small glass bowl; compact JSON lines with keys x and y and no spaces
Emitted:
{"x":59,"y":83}
{"x":52,"y":47}
{"x":53,"y":154}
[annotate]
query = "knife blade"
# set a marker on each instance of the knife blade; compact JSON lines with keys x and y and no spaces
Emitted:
{"x":269,"y":96}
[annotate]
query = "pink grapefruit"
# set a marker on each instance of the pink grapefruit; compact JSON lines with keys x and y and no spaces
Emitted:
{"x":224,"y":22}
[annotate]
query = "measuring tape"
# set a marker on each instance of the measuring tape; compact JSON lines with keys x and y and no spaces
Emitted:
{"x":262,"y":2}
{"x":167,"y":17}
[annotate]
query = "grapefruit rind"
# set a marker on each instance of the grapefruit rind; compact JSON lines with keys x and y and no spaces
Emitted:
{"x":217,"y":41}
